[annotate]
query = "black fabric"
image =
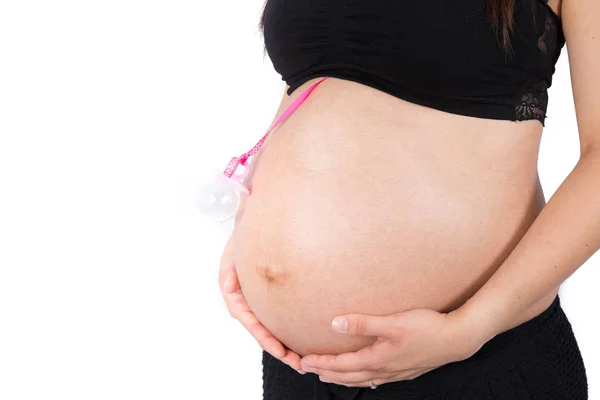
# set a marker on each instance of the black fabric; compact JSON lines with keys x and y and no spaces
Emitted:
{"x":441,"y":54}
{"x":537,"y":360}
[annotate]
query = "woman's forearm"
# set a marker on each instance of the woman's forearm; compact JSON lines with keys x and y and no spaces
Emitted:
{"x":565,"y":234}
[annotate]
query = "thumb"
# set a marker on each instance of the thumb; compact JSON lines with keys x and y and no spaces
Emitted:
{"x":362,"y":325}
{"x":231,"y":283}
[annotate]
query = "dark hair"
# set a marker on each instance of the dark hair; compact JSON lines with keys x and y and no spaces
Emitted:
{"x":500,"y":13}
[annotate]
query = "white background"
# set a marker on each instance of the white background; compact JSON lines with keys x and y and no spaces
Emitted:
{"x":112,"y":114}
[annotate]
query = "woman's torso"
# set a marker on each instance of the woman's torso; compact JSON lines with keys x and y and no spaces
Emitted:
{"x":363,"y":202}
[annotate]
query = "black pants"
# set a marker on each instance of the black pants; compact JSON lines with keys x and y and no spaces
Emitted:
{"x":537,"y":360}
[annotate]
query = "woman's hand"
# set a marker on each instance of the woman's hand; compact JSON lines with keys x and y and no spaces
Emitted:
{"x":239,"y":309}
{"x":408,"y":345}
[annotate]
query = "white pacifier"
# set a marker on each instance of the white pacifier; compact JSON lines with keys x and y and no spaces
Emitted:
{"x":221,"y":199}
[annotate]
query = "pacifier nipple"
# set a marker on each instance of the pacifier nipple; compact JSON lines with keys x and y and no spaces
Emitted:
{"x":220,"y":200}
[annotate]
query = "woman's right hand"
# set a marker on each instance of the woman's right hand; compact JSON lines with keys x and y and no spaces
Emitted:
{"x":239,"y":309}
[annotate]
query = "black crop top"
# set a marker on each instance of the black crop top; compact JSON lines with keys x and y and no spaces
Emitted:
{"x":437,"y":53}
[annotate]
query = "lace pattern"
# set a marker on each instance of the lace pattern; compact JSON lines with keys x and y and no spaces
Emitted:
{"x":532,"y":103}
{"x":548,"y":41}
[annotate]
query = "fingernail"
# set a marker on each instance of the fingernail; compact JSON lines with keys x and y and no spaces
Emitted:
{"x":227,"y":280}
{"x":323,"y":379}
{"x":301,"y":372}
{"x":340,"y":324}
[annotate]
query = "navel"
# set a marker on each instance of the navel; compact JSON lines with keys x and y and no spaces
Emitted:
{"x":272,"y":273}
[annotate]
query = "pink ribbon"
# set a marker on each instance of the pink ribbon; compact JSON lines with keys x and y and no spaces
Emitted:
{"x":242,"y":160}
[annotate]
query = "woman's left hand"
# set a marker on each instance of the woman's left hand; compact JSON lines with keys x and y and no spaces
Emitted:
{"x":408,"y":345}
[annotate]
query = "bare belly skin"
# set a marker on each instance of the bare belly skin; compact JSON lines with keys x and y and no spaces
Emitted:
{"x":362,"y":202}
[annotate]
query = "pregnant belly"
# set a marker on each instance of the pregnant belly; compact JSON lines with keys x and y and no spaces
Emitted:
{"x":341,"y":222}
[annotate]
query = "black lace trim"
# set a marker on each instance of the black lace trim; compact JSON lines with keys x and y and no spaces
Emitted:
{"x":548,"y":41}
{"x":532,"y":103}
